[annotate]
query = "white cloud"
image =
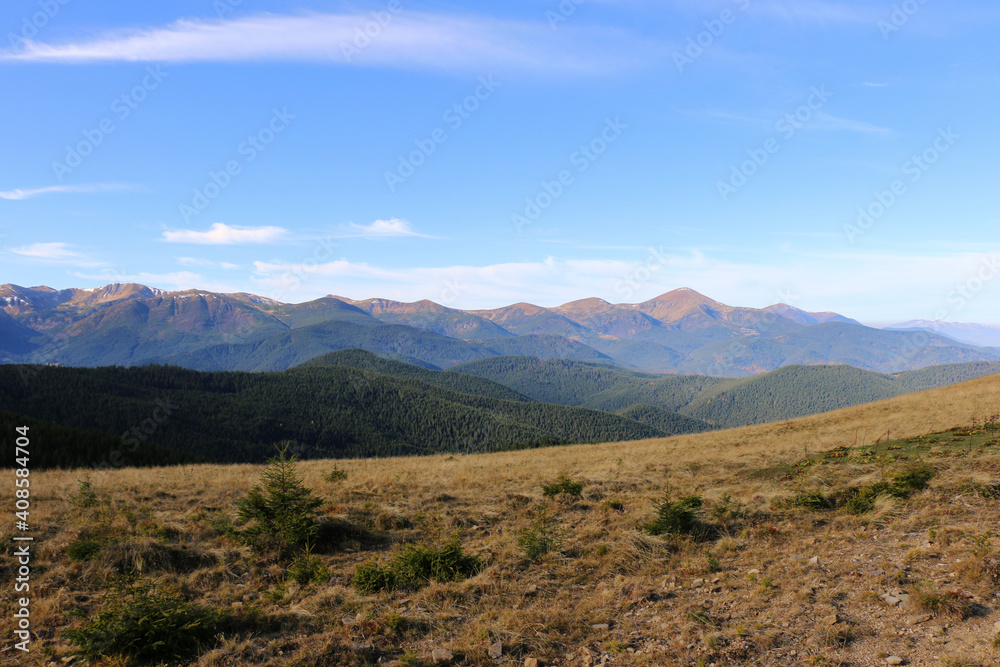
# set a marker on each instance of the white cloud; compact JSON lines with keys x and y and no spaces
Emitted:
{"x":410,"y":39}
{"x":223,"y":234}
{"x":200,"y":261}
{"x":176,"y":281}
{"x":88,"y":188}
{"x":394,"y":227}
{"x":55,"y":253}
{"x":865,"y":286}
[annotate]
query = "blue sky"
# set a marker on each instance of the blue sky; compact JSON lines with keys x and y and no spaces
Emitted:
{"x":536,"y":150}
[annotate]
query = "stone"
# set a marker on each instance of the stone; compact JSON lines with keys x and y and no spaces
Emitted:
{"x":996,"y":626}
{"x":531,"y":590}
{"x":814,"y":560}
{"x":532,"y":662}
{"x":891,"y":601}
{"x":894,"y":660}
{"x":832,"y":619}
{"x":600,"y":627}
{"x":919,"y":618}
{"x":442,"y":656}
{"x":496,"y":650}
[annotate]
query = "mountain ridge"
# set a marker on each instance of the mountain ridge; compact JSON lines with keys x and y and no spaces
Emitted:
{"x":680,"y":331}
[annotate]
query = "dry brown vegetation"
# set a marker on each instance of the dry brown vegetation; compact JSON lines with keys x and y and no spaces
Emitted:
{"x":759,"y":582}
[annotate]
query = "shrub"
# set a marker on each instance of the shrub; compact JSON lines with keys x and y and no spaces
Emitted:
{"x":140,"y":623}
{"x":676,"y":517}
{"x":563,"y":484}
{"x":85,"y":495}
{"x":415,"y":566}
{"x":949,"y":603}
{"x":372,"y":577}
{"x":813,"y":500}
{"x":84,"y":549}
{"x":541,"y":536}
{"x":307,"y":568}
{"x":283,"y":512}
{"x":335,"y":475}
{"x":915,"y":478}
{"x":728,"y":510}
{"x":862,"y":499}
{"x":900,"y":485}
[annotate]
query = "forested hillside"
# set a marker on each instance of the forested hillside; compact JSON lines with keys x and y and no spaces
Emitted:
{"x":58,"y":446}
{"x":789,"y":392}
{"x":332,"y":411}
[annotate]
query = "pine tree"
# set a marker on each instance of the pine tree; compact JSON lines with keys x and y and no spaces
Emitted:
{"x":283,"y":512}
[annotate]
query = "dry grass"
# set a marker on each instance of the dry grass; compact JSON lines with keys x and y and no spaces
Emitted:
{"x":744,"y":591}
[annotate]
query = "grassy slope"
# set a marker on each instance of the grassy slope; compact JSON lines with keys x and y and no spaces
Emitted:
{"x":767,"y":600}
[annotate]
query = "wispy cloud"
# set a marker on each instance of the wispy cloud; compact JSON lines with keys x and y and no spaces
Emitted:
{"x":207,"y":263}
{"x":56,"y":253}
{"x":410,"y":39}
{"x":817,"y":11}
{"x":819,"y":282}
{"x":381,"y":229}
{"x":223,"y":234}
{"x":86,"y":188}
{"x":828,"y":122}
{"x":176,"y":281}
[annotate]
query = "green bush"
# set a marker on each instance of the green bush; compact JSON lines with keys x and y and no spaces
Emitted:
{"x":335,"y":475}
{"x":140,"y":623}
{"x":900,"y":485}
{"x":307,"y":568}
{"x":283,"y":513}
{"x":676,"y":517}
{"x":563,"y":484}
{"x":85,"y":495}
{"x":813,"y":500}
{"x":915,"y":478}
{"x":541,"y":536}
{"x":83,"y":549}
{"x":416,"y":566}
{"x":372,"y":577}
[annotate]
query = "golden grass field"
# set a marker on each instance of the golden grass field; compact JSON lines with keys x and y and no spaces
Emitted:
{"x":760,"y":584}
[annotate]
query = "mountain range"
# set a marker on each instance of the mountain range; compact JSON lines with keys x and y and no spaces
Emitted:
{"x":680,"y":332}
{"x":975,"y":334}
